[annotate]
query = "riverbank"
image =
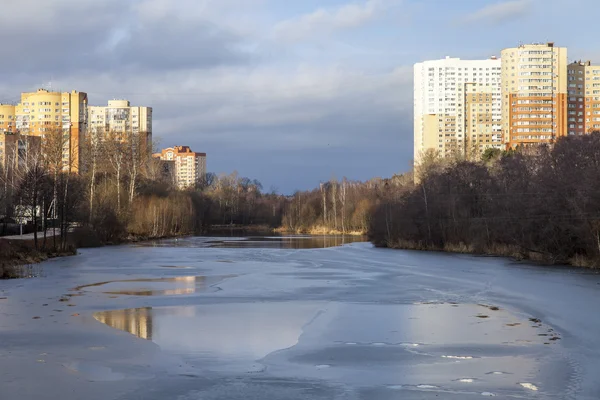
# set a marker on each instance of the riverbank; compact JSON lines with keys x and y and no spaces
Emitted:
{"x":267,"y":230}
{"x":516,"y":253}
{"x":17,"y":254}
{"x":320,"y":231}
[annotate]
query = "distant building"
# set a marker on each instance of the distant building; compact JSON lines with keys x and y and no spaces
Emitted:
{"x":584,"y":98}
{"x":189,"y":166}
{"x":457,"y":107}
{"x":44,"y":111}
{"x":15,"y":149}
{"x":534,"y":94}
{"x":121,"y":117}
{"x":7,"y":118}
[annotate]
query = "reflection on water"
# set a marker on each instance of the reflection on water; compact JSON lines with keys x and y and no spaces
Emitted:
{"x":156,"y":287}
{"x":432,"y":337}
{"x":137,"y":321}
{"x":274,"y":242}
{"x":222,"y":334}
{"x":287,"y":242}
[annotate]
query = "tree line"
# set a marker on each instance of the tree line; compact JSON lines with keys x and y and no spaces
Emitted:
{"x":540,"y":203}
{"x":335,"y":207}
{"x":117,"y":192}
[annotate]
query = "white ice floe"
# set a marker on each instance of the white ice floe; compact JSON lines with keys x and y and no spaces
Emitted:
{"x":459,"y":357}
{"x":488,"y":394}
{"x":427,"y":387}
{"x":529,"y":386}
{"x":466,"y":380}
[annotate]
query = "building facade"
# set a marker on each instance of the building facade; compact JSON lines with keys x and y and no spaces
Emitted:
{"x":121,"y":118}
{"x":42,"y":112}
{"x":584,"y":98}
{"x":7,"y":118}
{"x":534,"y":94}
{"x":189,"y":166}
{"x":457,"y":107}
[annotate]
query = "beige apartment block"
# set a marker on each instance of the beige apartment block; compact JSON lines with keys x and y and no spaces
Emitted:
{"x":7,"y":118}
{"x":584,"y":98}
{"x":482,"y":122}
{"x":45,"y":111}
{"x":189,"y":166}
{"x":457,"y":107}
{"x":120,"y":117}
{"x":534,"y":94}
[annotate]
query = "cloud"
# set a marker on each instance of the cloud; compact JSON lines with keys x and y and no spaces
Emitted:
{"x":323,"y":21}
{"x":219,"y":82}
{"x":264,"y":120}
{"x":63,"y":36}
{"x":499,"y":12}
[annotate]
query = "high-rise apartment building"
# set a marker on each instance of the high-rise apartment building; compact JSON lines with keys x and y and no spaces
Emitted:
{"x":583,"y":98}
{"x":7,"y":118}
{"x":457,"y":106}
{"x":534,"y":94}
{"x":189,"y":166}
{"x":121,"y":117}
{"x":44,"y":111}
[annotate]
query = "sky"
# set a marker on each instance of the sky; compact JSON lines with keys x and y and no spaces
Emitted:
{"x":289,"y":92}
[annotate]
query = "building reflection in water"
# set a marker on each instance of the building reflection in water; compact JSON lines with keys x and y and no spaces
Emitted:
{"x":154,"y":287}
{"x":137,"y":321}
{"x":289,"y":242}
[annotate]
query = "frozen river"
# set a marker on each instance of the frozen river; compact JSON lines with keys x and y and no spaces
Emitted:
{"x":274,"y":319}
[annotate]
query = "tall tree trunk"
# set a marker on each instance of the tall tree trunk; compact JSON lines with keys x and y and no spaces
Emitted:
{"x":119,"y":189}
{"x":427,"y":214}
{"x":33,"y":211}
{"x":334,"y":201}
{"x":92,"y":189}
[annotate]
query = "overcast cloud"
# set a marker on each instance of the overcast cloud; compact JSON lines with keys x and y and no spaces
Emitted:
{"x":288,"y":92}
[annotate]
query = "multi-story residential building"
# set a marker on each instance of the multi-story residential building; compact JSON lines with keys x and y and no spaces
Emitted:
{"x":534,"y":94}
{"x":7,"y":118}
{"x":457,"y":107}
{"x":190,"y":166}
{"x":584,"y":98}
{"x":44,"y":111}
{"x":16,"y":150}
{"x":121,"y":117}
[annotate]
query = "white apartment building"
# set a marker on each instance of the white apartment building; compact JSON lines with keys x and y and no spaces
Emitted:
{"x":121,"y":117}
{"x":457,"y":106}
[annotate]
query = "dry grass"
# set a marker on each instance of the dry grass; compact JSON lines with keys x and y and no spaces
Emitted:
{"x":18,"y":256}
{"x":320,"y":230}
{"x":497,"y":250}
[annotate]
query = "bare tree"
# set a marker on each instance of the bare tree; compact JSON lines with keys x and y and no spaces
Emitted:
{"x":343,"y":191}
{"x":32,"y":176}
{"x":138,"y":152}
{"x":116,"y":154}
{"x":93,"y":150}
